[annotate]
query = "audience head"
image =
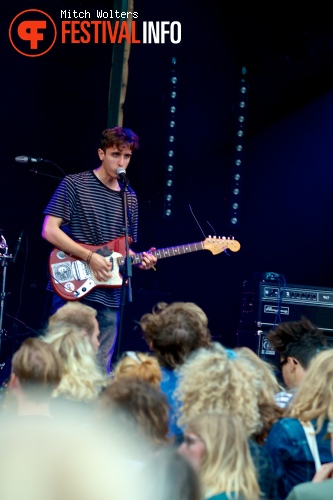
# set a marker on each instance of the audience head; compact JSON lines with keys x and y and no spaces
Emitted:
{"x":142,"y":408}
{"x":268,"y":381}
{"x":82,"y":378}
{"x":314,"y":398}
{"x":136,"y":364}
{"x":217,"y":447}
{"x":80,"y":315}
{"x":296,"y":342}
{"x":173,"y":476}
{"x":36,"y":370}
{"x":266,"y":386}
{"x":211,"y":381}
{"x":173,"y":331}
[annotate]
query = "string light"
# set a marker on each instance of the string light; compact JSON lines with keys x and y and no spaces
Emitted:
{"x":168,"y":210}
{"x":238,"y":160}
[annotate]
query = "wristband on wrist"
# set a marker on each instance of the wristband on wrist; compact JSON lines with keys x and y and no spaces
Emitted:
{"x":89,"y":257}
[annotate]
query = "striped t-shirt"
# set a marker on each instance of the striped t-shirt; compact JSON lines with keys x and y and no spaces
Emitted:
{"x":94,"y":215}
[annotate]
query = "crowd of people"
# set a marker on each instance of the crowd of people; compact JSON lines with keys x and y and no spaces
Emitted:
{"x":189,"y":419}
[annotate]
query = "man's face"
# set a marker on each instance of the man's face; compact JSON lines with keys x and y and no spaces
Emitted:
{"x":93,"y":339}
{"x":114,"y":158}
{"x":287,"y":371}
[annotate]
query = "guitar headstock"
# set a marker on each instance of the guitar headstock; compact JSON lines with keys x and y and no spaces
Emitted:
{"x":216,"y":244}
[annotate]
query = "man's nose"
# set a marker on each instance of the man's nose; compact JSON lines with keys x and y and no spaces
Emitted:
{"x":121,"y":160}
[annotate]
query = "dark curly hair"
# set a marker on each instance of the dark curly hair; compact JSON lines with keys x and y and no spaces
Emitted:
{"x":175,"y":330}
{"x":119,"y":137}
{"x":301,"y":340}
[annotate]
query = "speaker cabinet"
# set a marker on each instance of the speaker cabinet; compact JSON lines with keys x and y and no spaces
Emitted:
{"x":266,"y":304}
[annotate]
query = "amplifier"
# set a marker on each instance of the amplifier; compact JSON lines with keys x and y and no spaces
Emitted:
{"x":268,"y":303}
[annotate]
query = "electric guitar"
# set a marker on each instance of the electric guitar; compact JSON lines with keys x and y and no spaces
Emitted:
{"x":72,"y":278}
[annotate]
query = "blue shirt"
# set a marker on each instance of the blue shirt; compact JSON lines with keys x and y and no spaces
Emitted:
{"x":291,"y":455}
{"x":169,"y":384}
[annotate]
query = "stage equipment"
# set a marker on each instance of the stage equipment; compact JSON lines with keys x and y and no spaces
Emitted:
{"x":264,"y":301}
{"x":5,"y":257}
{"x":270,"y":301}
{"x":28,"y":160}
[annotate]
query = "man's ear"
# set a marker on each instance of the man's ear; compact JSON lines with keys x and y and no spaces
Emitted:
{"x":292,"y":363}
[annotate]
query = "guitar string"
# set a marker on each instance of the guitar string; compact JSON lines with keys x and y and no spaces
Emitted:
{"x":211,"y":227}
{"x":196,"y":220}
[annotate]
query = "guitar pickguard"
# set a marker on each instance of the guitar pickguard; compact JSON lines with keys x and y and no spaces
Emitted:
{"x":77,"y":277}
{"x":115,"y":279}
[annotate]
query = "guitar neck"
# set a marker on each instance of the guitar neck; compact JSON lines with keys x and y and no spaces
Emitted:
{"x":163,"y":253}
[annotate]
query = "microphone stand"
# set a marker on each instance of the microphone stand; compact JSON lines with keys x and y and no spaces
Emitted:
{"x":4,"y":258}
{"x":127,"y":269}
{"x":29,"y":160}
{"x":34,"y":171}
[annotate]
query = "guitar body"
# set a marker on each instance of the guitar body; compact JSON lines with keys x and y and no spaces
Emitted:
{"x":73,"y":278}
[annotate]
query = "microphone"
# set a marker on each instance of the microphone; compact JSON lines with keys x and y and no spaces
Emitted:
{"x":3,"y":242}
{"x":27,"y":159}
{"x":121,"y":174}
{"x":17,"y":247}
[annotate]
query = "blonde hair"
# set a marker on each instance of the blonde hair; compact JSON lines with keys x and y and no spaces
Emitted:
{"x":38,"y":367}
{"x":76,"y":314}
{"x":227,"y":464}
{"x":266,"y":386}
{"x":314,"y":398}
{"x":210,"y":381}
{"x":269,"y":384}
{"x":82,"y":378}
{"x":144,"y":367}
